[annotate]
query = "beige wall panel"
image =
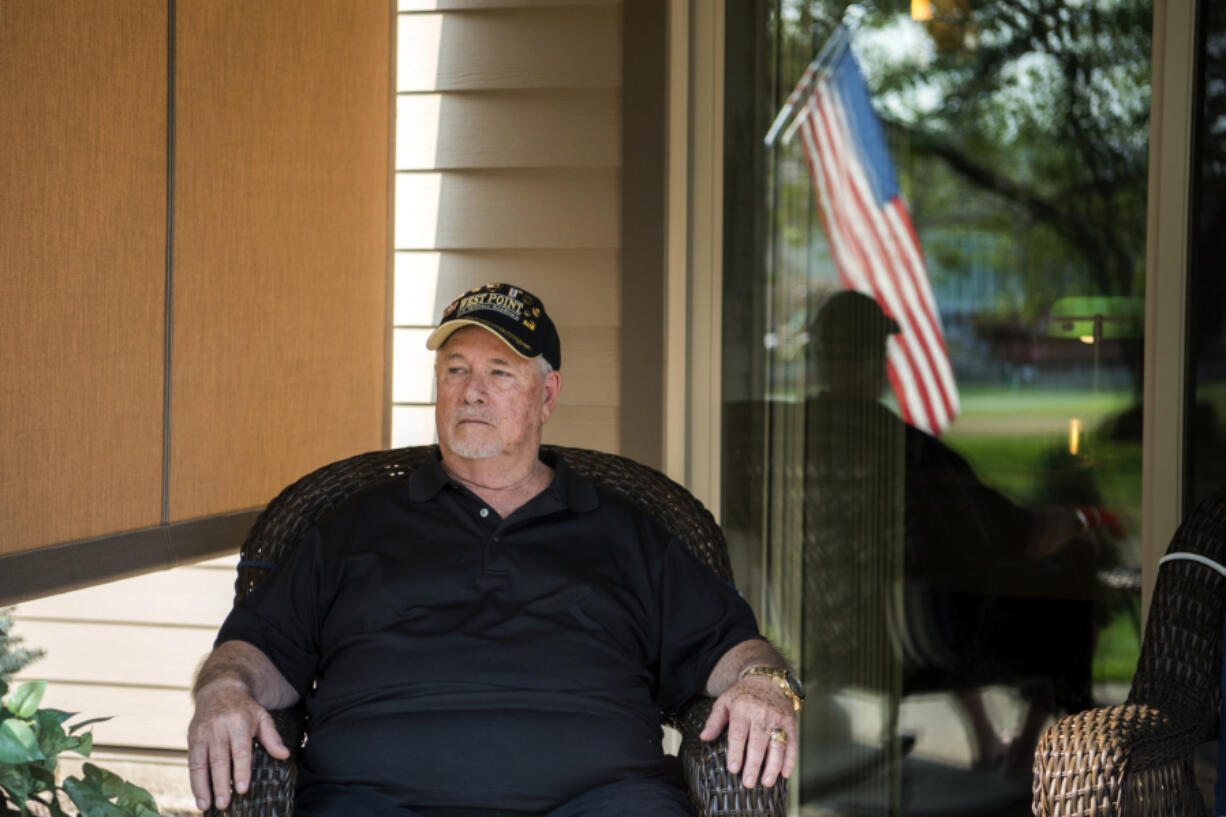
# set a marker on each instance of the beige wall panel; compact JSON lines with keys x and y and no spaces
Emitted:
{"x":553,"y":47}
{"x":583,"y":426}
{"x":220,"y":563}
{"x":590,"y":366}
{"x":183,"y":596}
{"x":83,"y":265}
{"x":146,"y":718}
{"x":538,"y":128}
{"x":579,"y":287}
{"x":116,"y":654}
{"x":281,"y":242}
{"x":511,"y":209}
{"x":481,"y":5}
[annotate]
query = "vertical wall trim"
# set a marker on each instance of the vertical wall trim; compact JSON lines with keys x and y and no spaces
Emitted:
{"x":643,"y":233}
{"x":1166,"y":278}
{"x":390,"y":293}
{"x":677,"y":240}
{"x":169,"y":308}
{"x":704,"y":351}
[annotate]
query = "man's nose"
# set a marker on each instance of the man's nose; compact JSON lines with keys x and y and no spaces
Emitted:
{"x":475,"y":389}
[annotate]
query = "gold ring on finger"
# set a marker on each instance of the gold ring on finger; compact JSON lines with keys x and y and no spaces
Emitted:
{"x":779,"y":735}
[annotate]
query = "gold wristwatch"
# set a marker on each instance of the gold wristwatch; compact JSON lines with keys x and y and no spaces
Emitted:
{"x":785,"y":680}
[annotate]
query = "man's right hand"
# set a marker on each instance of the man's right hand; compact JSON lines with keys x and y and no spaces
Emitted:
{"x":219,"y":740}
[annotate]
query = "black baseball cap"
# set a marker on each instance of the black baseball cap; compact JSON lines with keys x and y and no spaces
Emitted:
{"x":849,"y":313}
{"x":515,"y":315}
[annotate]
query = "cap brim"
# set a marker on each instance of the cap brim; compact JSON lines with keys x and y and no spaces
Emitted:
{"x":439,"y":336}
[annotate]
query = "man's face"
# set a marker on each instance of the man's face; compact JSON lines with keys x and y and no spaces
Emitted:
{"x":491,"y":401}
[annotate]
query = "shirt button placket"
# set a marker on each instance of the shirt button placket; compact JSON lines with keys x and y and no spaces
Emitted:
{"x":493,"y":559}
{"x":490,"y":556}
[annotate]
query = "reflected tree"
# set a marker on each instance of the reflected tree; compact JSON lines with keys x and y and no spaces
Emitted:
{"x":1044,"y":105}
{"x":1026,"y":119}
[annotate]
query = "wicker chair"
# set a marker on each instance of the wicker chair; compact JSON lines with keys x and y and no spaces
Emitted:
{"x":287,"y":518}
{"x":1136,"y":759}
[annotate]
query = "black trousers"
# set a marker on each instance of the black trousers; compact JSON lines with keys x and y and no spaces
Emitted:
{"x":625,"y":798}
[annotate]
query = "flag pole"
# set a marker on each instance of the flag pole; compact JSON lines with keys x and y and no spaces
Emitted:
{"x":830,"y":51}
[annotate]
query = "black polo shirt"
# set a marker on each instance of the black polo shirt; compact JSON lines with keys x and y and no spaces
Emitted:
{"x":460,"y":659}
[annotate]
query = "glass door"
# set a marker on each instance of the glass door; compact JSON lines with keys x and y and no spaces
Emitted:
{"x":933,"y":335}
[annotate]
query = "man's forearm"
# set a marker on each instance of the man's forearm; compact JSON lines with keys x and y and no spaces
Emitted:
{"x":755,"y":652}
{"x":237,"y":662}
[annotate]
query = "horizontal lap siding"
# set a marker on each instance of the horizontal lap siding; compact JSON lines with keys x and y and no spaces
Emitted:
{"x":555,"y":127}
{"x":573,"y":298}
{"x":140,"y":718}
{"x":554,"y":47}
{"x":508,"y":153}
{"x":71,"y":645}
{"x":185,"y":596}
{"x":508,"y":209}
{"x":128,"y":650}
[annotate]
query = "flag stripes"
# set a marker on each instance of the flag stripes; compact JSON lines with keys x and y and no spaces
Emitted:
{"x":873,"y":242}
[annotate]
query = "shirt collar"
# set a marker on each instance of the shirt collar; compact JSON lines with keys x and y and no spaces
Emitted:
{"x":429,"y":479}
{"x":575,"y":491}
{"x":572,"y":490}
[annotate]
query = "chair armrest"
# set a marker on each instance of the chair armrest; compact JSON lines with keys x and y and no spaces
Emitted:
{"x":1120,"y":761}
{"x":271,"y":793}
{"x":715,"y":792}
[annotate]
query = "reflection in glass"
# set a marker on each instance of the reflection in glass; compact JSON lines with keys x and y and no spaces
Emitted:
{"x":943,"y":595}
{"x":937,"y":579}
{"x":1206,"y":421}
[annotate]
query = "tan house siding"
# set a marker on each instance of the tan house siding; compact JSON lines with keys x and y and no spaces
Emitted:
{"x":508,"y":158}
{"x":128,"y":650}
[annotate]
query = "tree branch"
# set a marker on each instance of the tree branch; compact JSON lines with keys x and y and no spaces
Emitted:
{"x":1065,"y":222}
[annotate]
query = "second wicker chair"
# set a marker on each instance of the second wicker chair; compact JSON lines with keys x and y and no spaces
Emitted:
{"x":1135,"y":760}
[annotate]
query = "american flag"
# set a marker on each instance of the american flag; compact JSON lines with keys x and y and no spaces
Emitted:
{"x":871,"y":237}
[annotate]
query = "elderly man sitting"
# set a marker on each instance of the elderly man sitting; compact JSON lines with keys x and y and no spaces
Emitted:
{"x":493,"y":634}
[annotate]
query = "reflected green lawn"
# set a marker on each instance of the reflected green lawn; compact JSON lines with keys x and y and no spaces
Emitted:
{"x":1115,"y":657}
{"x":1018,"y":442}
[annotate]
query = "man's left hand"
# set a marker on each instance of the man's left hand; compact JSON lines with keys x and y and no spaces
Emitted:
{"x":752,"y":709}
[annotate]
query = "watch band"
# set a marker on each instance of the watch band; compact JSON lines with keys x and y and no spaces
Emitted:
{"x":785,"y":680}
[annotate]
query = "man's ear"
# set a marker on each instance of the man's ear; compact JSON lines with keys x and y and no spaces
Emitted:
{"x":553,"y":386}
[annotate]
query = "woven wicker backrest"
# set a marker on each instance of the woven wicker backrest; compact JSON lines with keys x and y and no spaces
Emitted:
{"x":282,"y":525}
{"x":1180,"y":666}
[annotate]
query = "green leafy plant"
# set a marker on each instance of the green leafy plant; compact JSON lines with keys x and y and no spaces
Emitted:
{"x":31,"y":742}
{"x":13,"y":656}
